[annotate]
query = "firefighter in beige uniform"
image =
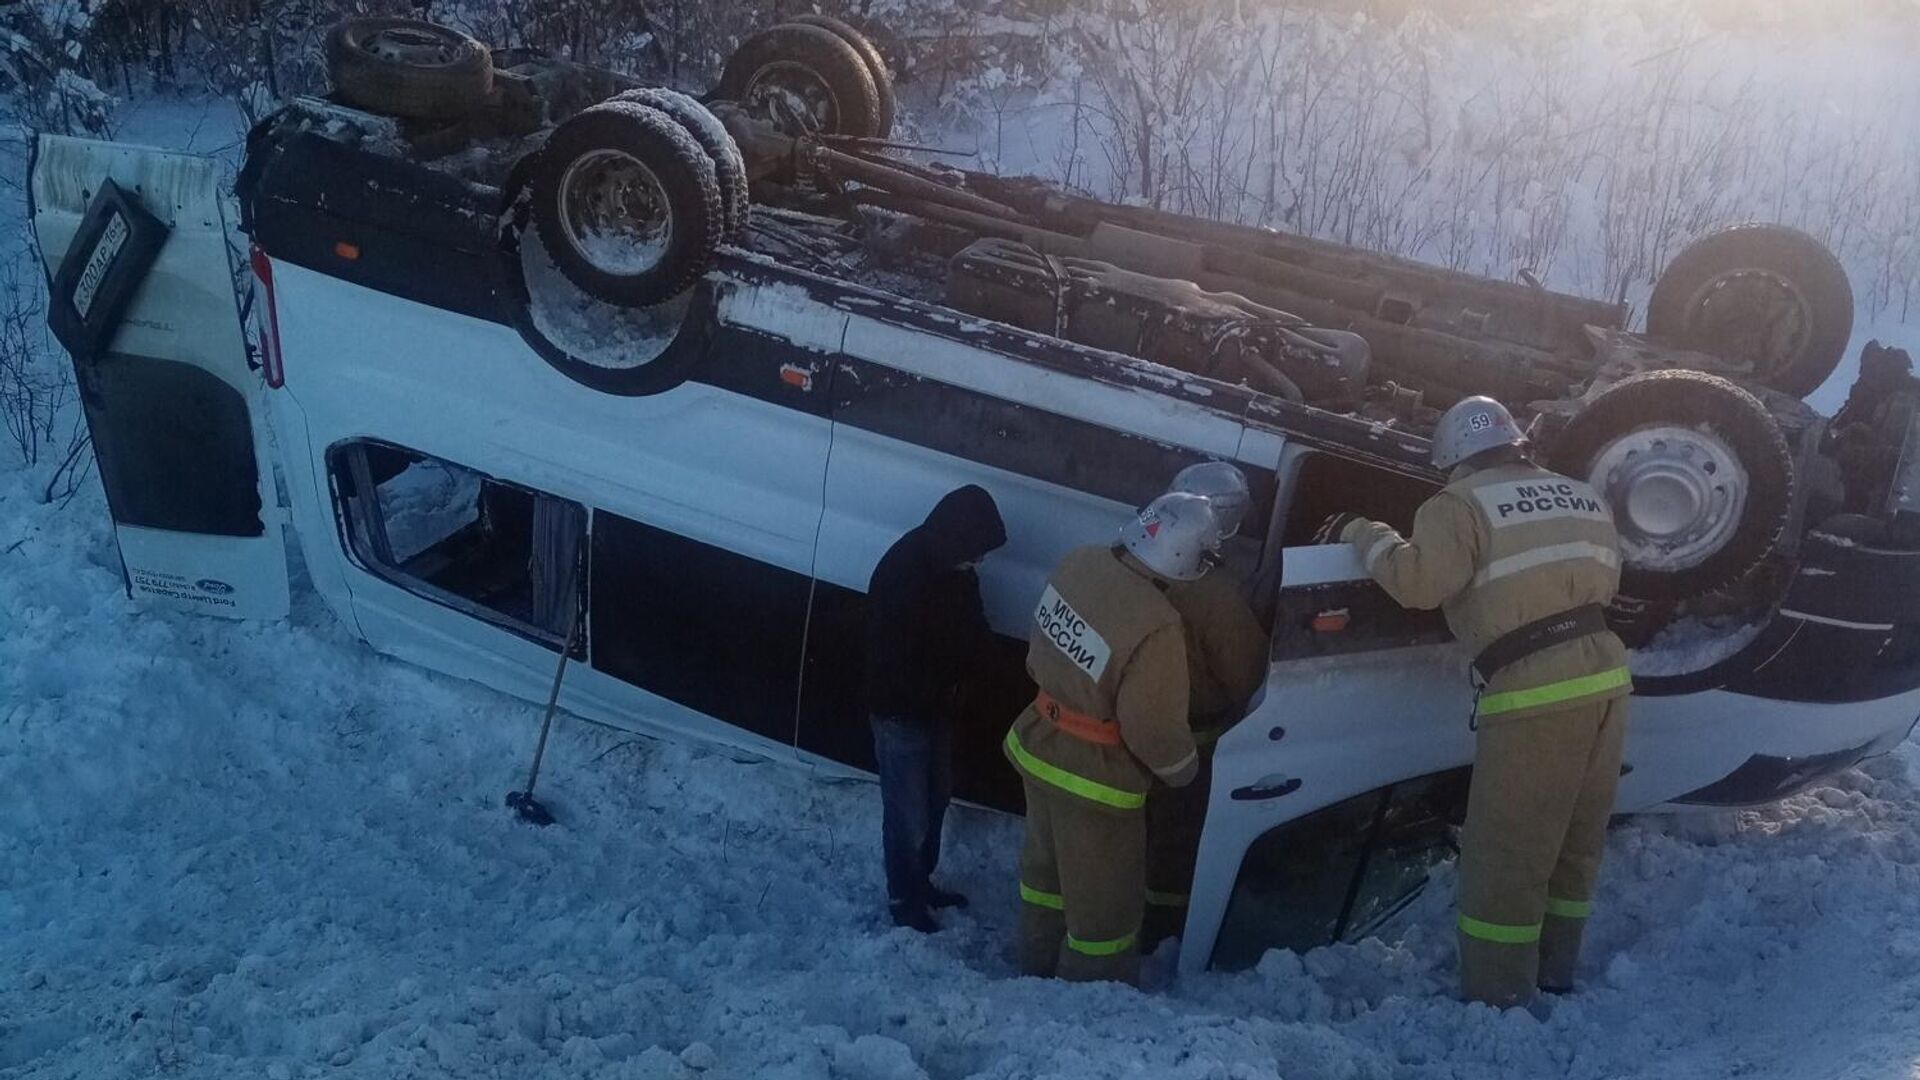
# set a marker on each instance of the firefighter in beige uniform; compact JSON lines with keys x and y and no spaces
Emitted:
{"x":1109,"y":657}
{"x":1226,"y":662}
{"x":1522,"y":561}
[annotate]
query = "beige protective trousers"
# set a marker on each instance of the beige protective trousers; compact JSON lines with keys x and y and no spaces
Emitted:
{"x":1543,"y":790}
{"x":1175,"y":818}
{"x":1082,"y":888}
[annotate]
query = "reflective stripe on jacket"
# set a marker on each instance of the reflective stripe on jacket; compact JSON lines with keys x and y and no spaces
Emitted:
{"x":1496,"y":550}
{"x":1106,"y":643}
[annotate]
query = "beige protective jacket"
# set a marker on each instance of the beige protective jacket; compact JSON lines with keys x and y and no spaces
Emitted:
{"x":1498,"y":549}
{"x":1226,"y":649}
{"x":1107,"y":647}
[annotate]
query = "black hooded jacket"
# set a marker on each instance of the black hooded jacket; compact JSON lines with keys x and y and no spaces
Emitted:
{"x":926,"y":628}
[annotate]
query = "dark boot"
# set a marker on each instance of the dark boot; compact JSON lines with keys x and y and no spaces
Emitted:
{"x":914,"y":917}
{"x":939,"y":899}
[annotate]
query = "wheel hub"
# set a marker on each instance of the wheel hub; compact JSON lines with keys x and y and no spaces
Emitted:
{"x":1678,"y":494}
{"x":405,"y":45}
{"x":794,"y":97}
{"x":1753,"y":315}
{"x":614,"y":211}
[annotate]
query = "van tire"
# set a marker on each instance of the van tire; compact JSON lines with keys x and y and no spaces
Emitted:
{"x":1785,"y":270}
{"x":729,"y":168}
{"x":367,"y":67}
{"x":671,"y":169}
{"x":1681,"y":402}
{"x":876,"y":67}
{"x":833,"y":67}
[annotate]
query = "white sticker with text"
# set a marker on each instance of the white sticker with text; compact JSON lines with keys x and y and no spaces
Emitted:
{"x":1069,"y":633}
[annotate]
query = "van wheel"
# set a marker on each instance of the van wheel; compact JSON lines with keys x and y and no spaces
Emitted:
{"x":729,"y":168}
{"x":408,"y":68}
{"x":627,"y":351}
{"x":876,"y":67}
{"x":1697,"y":473}
{"x":1764,"y":294}
{"x":627,"y":204}
{"x":805,"y":79}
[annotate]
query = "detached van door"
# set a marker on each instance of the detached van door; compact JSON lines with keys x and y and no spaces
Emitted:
{"x":1329,"y":799}
{"x":144,"y":298}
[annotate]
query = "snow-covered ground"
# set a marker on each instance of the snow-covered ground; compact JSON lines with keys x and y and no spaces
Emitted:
{"x":246,"y":850}
{"x":262,"y":851}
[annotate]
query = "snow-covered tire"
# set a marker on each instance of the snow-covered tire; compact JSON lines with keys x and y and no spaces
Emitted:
{"x":876,"y":67}
{"x":1763,"y":293}
{"x":589,"y":171}
{"x":408,"y":68}
{"x":811,"y":70}
{"x":729,"y":168}
{"x":1698,"y":475}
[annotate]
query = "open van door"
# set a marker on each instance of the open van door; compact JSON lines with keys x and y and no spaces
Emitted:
{"x":144,"y":296}
{"x":1335,"y":795}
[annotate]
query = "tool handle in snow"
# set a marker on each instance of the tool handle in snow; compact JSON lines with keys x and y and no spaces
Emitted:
{"x":553,"y":702}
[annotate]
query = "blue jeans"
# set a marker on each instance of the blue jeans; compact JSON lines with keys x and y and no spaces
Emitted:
{"x":916,"y":784}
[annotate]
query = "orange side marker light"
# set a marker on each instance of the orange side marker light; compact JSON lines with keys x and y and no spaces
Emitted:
{"x":1331,"y":622}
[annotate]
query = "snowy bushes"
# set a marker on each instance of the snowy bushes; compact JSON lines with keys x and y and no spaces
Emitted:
{"x":39,"y":406}
{"x":1584,"y":142}
{"x":44,"y":67}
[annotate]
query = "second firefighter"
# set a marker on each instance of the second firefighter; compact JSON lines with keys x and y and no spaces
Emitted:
{"x":1109,"y":655}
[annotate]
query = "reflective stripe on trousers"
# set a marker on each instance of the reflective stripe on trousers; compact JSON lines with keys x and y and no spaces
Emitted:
{"x":1569,"y":909}
{"x":1499,"y":933}
{"x":1112,"y":947}
{"x":1055,"y":902}
{"x":1042,"y":898}
{"x":1507,"y":934}
{"x":1554,"y":693}
{"x":1072,"y":782}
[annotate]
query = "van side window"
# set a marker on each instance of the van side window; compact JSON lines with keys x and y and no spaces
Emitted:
{"x":699,"y":625}
{"x":1326,"y":484}
{"x":1329,"y":484}
{"x":495,"y":550}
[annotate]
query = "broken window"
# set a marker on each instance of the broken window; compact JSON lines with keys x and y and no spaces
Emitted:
{"x":496,"y":550}
{"x":1331,"y":484}
{"x":1339,"y":873}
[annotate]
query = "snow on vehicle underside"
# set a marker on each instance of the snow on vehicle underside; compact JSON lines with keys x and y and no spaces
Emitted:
{"x":1696,"y":432}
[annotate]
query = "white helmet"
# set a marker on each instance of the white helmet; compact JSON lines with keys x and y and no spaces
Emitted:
{"x":1174,"y":536}
{"x":1224,"y":486}
{"x":1473,"y":426}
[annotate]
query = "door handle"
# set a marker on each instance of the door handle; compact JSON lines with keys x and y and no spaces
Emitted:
{"x":1271,"y":787}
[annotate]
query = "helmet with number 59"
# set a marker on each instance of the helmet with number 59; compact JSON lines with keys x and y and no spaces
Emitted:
{"x":1473,"y":426}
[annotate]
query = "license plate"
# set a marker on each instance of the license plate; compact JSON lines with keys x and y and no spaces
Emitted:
{"x":112,"y":239}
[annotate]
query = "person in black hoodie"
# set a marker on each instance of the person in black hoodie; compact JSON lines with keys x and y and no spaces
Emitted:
{"x":926,"y":634}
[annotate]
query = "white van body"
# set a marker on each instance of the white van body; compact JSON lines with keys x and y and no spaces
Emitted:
{"x":728,"y":526}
